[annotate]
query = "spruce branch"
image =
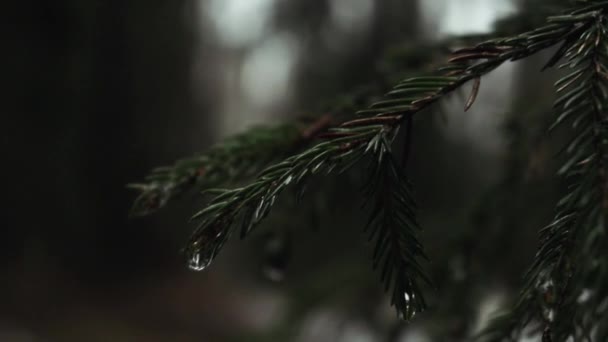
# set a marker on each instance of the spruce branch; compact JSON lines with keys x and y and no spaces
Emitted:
{"x":235,"y":158}
{"x":565,"y":286}
{"x":393,"y":226}
{"x":216,"y":167}
{"x":583,"y":259}
{"x":348,"y":143}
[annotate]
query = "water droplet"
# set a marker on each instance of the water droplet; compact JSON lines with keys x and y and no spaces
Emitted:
{"x":203,"y":251}
{"x":198,"y":262}
{"x":410,"y":310}
{"x":407,"y":314}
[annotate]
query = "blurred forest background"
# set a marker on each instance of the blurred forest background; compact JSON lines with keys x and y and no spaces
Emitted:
{"x":100,"y":92}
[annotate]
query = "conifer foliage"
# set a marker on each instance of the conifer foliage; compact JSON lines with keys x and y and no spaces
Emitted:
{"x":565,"y":294}
{"x":393,"y":226}
{"x":565,"y":287}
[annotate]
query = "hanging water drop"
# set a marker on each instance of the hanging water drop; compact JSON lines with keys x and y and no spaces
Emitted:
{"x":410,"y":310}
{"x":205,"y":248}
{"x":200,"y":259}
{"x":198,"y":262}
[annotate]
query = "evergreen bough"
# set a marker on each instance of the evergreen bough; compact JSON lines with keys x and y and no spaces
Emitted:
{"x":565,"y":294}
